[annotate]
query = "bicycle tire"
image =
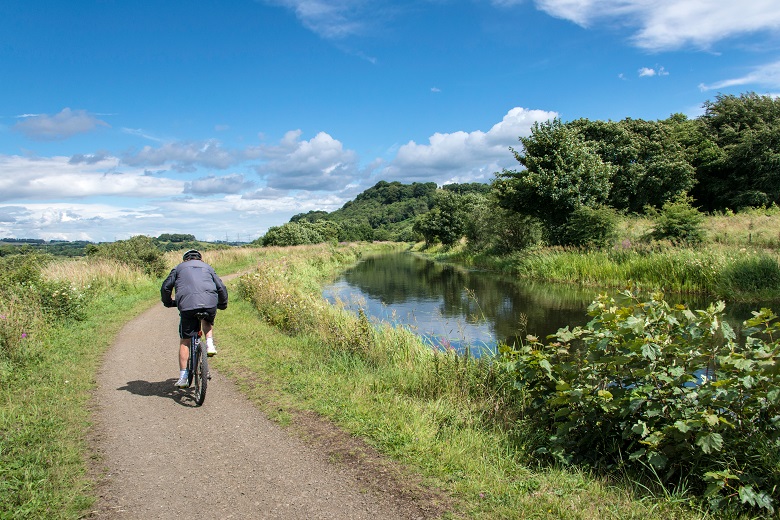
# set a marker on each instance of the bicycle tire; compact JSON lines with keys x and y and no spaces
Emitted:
{"x":201,"y":369}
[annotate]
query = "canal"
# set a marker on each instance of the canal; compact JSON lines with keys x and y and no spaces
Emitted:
{"x":453,"y":307}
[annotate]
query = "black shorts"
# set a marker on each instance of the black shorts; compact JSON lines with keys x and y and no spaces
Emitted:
{"x":189,"y":324}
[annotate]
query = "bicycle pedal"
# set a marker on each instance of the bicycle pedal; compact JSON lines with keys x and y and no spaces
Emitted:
{"x":208,"y":376}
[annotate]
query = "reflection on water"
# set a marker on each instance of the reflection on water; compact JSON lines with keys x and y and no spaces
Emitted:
{"x":456,"y":308}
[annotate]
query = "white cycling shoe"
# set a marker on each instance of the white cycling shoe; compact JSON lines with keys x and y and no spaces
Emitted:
{"x":182,"y":382}
{"x":211,"y":351}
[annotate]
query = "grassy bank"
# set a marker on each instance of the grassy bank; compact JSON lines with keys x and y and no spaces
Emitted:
{"x":738,"y":260}
{"x":56,"y":321}
{"x":450,"y":419}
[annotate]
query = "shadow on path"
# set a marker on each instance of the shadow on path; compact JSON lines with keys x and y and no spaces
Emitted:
{"x":166,"y":389}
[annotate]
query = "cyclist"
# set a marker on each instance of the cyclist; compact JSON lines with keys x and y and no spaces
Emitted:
{"x":197,"y":288}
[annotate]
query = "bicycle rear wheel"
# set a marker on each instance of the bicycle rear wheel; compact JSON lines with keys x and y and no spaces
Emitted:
{"x":201,"y":371}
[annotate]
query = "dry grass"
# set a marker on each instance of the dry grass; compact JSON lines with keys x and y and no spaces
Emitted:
{"x":84,"y":272}
{"x":756,"y":228}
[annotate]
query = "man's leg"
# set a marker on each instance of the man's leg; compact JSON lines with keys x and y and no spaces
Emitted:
{"x":184,"y":352}
{"x":208,"y":332}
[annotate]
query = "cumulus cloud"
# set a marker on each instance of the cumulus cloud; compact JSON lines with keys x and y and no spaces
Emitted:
{"x":766,"y":75}
{"x":321,"y":163}
{"x":648,"y":72}
{"x":671,"y":24}
{"x":234,"y":183}
{"x":67,"y":123}
{"x":56,"y":178}
{"x":465,"y":156}
{"x":185,"y":156}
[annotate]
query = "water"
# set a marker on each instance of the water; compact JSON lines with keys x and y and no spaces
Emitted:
{"x":456,"y":308}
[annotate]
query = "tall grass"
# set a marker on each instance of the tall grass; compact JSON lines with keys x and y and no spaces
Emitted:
{"x":56,"y":320}
{"x":224,"y":261}
{"x":450,"y":417}
{"x":51,"y":349}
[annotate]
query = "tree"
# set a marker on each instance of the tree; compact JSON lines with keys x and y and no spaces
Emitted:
{"x":746,"y":172}
{"x":678,"y":221}
{"x":562,"y":173}
{"x":176,"y":237}
{"x":650,"y":164}
{"x":292,"y":234}
{"x":139,"y":251}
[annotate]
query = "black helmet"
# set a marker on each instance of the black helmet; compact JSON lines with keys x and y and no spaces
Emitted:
{"x":192,"y":254}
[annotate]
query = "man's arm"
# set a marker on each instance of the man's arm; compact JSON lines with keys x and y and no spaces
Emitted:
{"x":222,"y":293}
{"x":166,"y":290}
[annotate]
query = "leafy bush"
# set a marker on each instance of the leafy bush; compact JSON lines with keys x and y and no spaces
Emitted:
{"x":662,"y":391}
{"x":591,"y":227}
{"x":292,"y":234}
{"x":139,"y":251}
{"x":678,"y":221}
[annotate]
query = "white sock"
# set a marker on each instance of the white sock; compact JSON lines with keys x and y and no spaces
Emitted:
{"x":183,"y":373}
{"x":209,"y":342}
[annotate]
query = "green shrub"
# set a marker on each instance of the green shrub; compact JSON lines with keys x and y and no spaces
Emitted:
{"x":678,"y":221}
{"x":664,"y":392}
{"x":293,"y":234}
{"x":591,"y":227}
{"x":139,"y":251}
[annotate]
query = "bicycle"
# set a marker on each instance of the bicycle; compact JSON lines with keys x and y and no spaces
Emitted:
{"x":198,"y":363}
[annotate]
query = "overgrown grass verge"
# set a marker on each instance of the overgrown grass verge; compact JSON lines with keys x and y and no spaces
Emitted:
{"x":44,"y":416}
{"x":448,"y":417}
{"x":724,"y":272}
{"x":56,"y":321}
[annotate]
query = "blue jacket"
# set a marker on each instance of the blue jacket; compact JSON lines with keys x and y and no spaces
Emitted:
{"x":196,"y":286}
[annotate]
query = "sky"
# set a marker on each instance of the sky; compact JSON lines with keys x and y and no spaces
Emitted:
{"x":223,"y":118}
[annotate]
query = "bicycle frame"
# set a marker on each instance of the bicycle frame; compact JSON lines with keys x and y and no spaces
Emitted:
{"x":198,"y":366}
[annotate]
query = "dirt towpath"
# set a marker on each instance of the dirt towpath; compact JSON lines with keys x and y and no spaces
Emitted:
{"x":159,"y":456}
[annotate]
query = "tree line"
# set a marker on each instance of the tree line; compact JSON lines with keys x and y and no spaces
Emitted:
{"x":574,"y":179}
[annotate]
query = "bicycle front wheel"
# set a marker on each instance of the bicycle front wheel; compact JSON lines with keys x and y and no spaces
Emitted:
{"x":201,"y":377}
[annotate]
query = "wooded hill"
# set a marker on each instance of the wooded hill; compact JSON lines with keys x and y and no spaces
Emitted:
{"x":575,"y":178}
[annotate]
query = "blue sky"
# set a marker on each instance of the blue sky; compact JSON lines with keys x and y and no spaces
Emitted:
{"x":223,"y":118}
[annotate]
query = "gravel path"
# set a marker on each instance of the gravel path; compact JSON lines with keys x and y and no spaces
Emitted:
{"x":159,"y":456}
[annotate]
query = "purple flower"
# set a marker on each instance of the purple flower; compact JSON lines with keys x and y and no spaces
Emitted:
{"x":24,"y":335}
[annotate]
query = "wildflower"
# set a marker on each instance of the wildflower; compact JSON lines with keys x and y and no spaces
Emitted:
{"x":2,"y":316}
{"x":24,"y":335}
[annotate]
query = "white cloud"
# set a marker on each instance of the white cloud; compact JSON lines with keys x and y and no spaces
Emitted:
{"x":331,"y":19}
{"x":67,"y":123}
{"x":766,"y":76}
{"x":185,"y":156}
{"x":646,"y":72}
{"x":55,"y":178}
{"x":234,"y":183}
{"x":321,"y":163}
{"x":672,"y":24}
{"x":465,"y":156}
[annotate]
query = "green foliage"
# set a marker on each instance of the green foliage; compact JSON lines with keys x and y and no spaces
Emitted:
{"x":27,"y":301}
{"x":176,"y":237}
{"x":650,"y":163}
{"x":742,"y":170}
{"x":301,"y":232}
{"x":139,"y":251}
{"x":495,"y":230}
{"x":591,"y":227}
{"x":662,"y":391}
{"x":749,"y":274}
{"x":562,"y":173}
{"x":678,"y":221}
